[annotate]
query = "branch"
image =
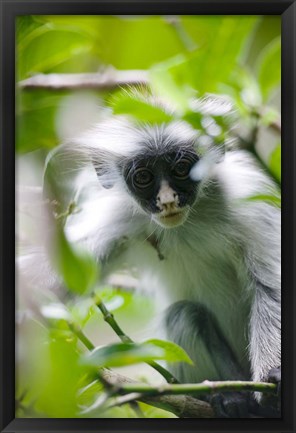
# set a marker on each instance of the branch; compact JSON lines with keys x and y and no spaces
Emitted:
{"x":205,"y":387}
{"x":169,"y":397}
{"x":183,"y":406}
{"x":108,"y":79}
{"x":172,"y":397}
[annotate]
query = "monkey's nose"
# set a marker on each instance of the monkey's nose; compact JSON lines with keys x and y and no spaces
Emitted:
{"x":166,"y":197}
{"x":169,"y":206}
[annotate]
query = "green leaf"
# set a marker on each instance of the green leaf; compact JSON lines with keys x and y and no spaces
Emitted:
{"x":135,"y":105}
{"x":172,"y":351}
{"x":269,"y":116}
{"x":25,"y":25}
{"x":88,"y":392}
{"x":213,"y":115}
{"x":122,"y":354}
{"x":205,"y":69}
{"x":112,"y":297}
{"x":36,"y":115}
{"x":136,"y":42}
{"x":244,"y":88}
{"x":153,"y":412}
{"x":170,"y":80}
{"x":275,"y":162}
{"x":269,"y":68}
{"x":47,"y":46}
{"x":59,"y":373}
{"x":82,"y":310}
{"x":78,"y":269}
{"x":271,"y":199}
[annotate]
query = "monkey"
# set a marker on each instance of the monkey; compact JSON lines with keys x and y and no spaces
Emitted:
{"x":180,"y":214}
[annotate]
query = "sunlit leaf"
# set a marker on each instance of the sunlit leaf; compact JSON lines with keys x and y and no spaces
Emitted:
{"x":173,"y":352}
{"x":136,"y":42}
{"x":207,"y":67}
{"x":58,"y":379}
{"x":116,"y":302}
{"x":77,"y":267}
{"x":63,"y":334}
{"x":82,"y":310}
{"x":133,"y":104}
{"x":247,"y":93}
{"x":61,"y":44}
{"x":35,"y":120}
{"x":121,"y":354}
{"x":89,"y":395}
{"x":269,"y":116}
{"x":275,"y":162}
{"x":271,"y":199}
{"x":25,"y":25}
{"x":169,"y":80}
{"x":269,"y":68}
{"x":95,"y":406}
{"x":154,"y":412}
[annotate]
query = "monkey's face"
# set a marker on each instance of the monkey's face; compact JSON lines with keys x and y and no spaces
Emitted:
{"x":162,"y":186}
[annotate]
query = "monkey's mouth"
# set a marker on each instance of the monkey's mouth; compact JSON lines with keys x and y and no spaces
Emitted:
{"x":172,"y":219}
{"x":171,"y":215}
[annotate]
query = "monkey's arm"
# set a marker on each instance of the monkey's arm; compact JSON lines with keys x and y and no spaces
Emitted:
{"x":195,"y":328}
{"x":263,"y":262}
{"x":265,"y":337}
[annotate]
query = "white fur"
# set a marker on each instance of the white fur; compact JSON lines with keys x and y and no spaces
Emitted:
{"x":222,"y":256}
{"x":212,"y":258}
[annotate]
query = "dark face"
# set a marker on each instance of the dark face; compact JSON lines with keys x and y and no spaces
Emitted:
{"x":162,"y":185}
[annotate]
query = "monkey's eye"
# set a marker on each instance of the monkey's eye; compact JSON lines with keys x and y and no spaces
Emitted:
{"x":142,"y":177}
{"x":182,"y":169}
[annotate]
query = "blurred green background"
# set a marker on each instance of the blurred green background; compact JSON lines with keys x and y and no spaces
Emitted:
{"x":184,"y":58}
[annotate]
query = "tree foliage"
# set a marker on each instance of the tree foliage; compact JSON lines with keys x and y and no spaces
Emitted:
{"x":63,"y":343}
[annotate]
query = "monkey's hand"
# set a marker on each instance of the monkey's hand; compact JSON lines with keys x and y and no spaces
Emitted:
{"x":269,"y":405}
{"x":230,"y":404}
{"x":274,"y":376}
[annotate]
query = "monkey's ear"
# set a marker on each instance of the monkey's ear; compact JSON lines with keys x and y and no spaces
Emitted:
{"x":105,"y":173}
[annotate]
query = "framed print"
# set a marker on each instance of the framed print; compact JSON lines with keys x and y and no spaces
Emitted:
{"x":147,"y":161}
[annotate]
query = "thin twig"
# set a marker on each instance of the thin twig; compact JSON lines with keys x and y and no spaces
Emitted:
{"x":109,"y":318}
{"x":205,"y":387}
{"x":81,"y":336}
{"x":129,"y":398}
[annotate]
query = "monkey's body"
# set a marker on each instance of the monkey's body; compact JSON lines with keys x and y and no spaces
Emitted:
{"x":184,"y":265}
{"x":199,"y":261}
{"x":223,"y":259}
{"x":217,"y":265}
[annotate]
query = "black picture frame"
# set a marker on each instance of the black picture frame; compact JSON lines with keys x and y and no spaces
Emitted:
{"x":9,"y":10}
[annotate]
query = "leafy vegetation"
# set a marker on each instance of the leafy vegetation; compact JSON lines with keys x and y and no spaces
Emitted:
{"x":65,"y":343}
